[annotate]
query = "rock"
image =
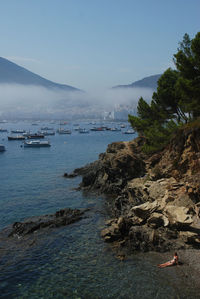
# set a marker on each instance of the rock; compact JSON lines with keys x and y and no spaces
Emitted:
{"x":157,"y":220}
{"x":121,"y":162}
{"x":70,"y":175}
{"x":190,"y":237}
{"x":156,"y":197}
{"x":111,"y":234}
{"x":33,"y":224}
{"x":144,"y":238}
{"x":178,"y":216}
{"x":88,"y":179}
{"x":144,"y":210}
{"x":146,"y":190}
{"x":137,"y":220}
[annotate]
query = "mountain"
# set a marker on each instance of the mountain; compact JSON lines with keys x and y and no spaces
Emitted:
{"x":11,"y":73}
{"x":147,"y":82}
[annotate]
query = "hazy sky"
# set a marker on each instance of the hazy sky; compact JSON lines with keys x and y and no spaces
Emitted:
{"x":95,"y":44}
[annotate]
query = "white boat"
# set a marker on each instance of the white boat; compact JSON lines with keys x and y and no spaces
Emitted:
{"x":63,"y":131}
{"x":16,"y":137}
{"x":115,"y":130}
{"x":2,"y":148}
{"x":47,"y":133}
{"x":129,"y":132}
{"x":37,"y":143}
{"x":18,"y":131}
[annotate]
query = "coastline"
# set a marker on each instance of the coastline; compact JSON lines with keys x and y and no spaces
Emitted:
{"x":155,"y":197}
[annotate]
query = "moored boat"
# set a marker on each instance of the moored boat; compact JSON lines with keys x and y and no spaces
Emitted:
{"x":16,"y":137}
{"x":35,"y":136}
{"x":37,"y":143}
{"x":47,"y":133}
{"x":83,"y":131}
{"x":63,"y":131}
{"x":97,"y":129}
{"x":115,"y":129}
{"x":46,"y":129}
{"x":3,"y":130}
{"x":18,"y":131}
{"x":129,"y":132}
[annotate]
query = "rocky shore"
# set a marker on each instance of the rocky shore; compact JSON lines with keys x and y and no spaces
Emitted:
{"x":155,"y":198}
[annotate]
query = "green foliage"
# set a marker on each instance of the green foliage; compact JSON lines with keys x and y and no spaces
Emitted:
{"x":187,"y":61}
{"x":176,"y":101}
{"x":158,"y":136}
{"x":143,"y":109}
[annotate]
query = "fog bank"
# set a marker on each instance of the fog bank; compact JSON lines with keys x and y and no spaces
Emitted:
{"x":23,"y":101}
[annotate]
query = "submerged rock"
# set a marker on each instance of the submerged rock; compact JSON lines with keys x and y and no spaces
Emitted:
{"x":33,"y":224}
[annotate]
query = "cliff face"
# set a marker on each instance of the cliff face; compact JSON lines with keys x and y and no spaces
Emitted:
{"x":121,"y":162}
{"x":181,"y":158}
{"x":156,"y":199}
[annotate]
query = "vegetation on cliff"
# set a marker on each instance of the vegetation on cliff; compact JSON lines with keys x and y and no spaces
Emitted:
{"x":176,"y":101}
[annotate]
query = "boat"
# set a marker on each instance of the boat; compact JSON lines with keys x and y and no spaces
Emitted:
{"x":122,"y":126}
{"x":2,"y":148}
{"x":18,"y":131}
{"x":46,"y":128}
{"x":97,"y":129}
{"x":35,"y":135}
{"x":37,"y":143}
{"x":115,"y":130}
{"x":129,"y":132}
{"x":83,"y":131}
{"x":17,"y":137}
{"x":63,"y":131}
{"x":47,"y":133}
{"x":77,"y":129}
{"x":3,"y":130}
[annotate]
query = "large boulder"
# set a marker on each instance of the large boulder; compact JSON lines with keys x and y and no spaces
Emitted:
{"x":145,"y":210}
{"x":179,"y":216}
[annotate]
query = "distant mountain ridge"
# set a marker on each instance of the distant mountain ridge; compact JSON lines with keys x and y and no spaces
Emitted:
{"x":11,"y":73}
{"x":147,"y":82}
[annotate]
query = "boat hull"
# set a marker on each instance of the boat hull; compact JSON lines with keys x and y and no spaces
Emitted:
{"x":37,"y":143}
{"x":16,"y":137}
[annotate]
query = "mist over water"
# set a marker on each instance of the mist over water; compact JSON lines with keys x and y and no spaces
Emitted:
{"x":33,"y":101}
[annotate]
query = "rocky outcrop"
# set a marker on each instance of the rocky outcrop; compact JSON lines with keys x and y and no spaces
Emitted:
{"x":34,"y":224}
{"x":122,"y":162}
{"x":156,"y":198}
{"x":33,"y":231}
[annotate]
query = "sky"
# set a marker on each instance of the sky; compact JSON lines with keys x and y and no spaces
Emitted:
{"x":95,"y":44}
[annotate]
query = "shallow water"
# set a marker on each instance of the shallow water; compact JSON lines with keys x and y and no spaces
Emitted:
{"x":72,"y":261}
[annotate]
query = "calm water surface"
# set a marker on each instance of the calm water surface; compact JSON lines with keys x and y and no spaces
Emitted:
{"x":72,"y":261}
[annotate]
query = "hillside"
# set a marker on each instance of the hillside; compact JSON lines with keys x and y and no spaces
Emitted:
{"x":11,"y":73}
{"x":147,"y":82}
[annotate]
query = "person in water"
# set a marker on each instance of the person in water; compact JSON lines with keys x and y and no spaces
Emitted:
{"x":173,"y":262}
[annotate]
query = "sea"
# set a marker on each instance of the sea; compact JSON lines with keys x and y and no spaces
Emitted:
{"x":71,"y":261}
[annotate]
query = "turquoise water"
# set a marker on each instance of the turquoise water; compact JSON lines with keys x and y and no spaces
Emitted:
{"x":72,"y":261}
